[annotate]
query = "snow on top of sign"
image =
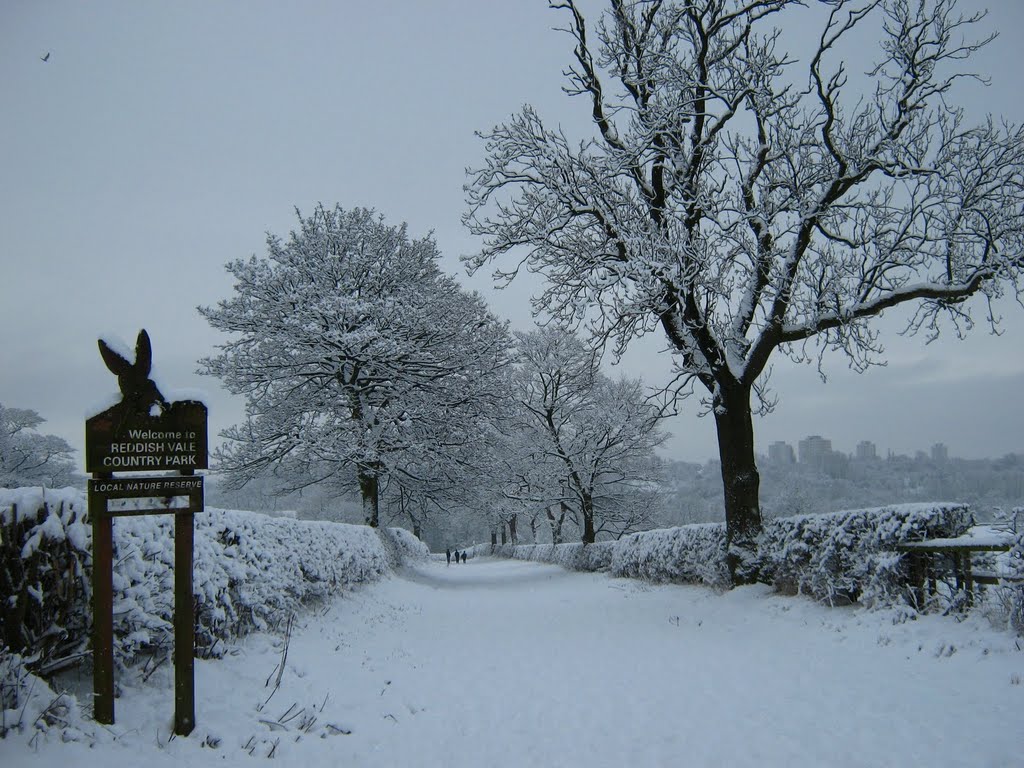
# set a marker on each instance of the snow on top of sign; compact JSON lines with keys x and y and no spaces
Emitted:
{"x":113,"y":397}
{"x":178,"y":394}
{"x":99,"y":405}
{"x":117,"y":344}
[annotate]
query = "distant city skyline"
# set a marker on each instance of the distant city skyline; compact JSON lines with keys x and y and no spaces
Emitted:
{"x":813,"y":448}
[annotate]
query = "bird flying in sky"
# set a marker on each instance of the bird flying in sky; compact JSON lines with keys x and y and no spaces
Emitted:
{"x":46,"y":57}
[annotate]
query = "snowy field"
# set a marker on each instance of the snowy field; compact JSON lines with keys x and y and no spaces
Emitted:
{"x":509,"y":663}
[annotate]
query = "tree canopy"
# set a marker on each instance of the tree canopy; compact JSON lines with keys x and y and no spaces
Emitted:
{"x":589,"y":440}
{"x":746,"y":199}
{"x":28,"y":457}
{"x":356,"y":355}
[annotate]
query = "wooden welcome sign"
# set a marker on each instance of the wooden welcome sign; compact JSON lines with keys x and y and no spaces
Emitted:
{"x":133,"y":442}
{"x":143,"y":432}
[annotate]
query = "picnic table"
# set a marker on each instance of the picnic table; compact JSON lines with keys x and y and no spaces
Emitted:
{"x":930,"y":557}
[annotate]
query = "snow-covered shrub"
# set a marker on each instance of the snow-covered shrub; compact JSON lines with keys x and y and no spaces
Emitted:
{"x":480,"y":550}
{"x":13,"y":685}
{"x":44,"y":559}
{"x":851,"y":555}
{"x":540,"y":553}
{"x":693,"y":554}
{"x":574,"y":557}
{"x":569,"y":556}
{"x":499,"y":550}
{"x":27,"y":702}
{"x":249,"y":571}
{"x":596,"y":557}
{"x":1013,"y":592}
{"x":837,"y":557}
{"x":403,"y":544}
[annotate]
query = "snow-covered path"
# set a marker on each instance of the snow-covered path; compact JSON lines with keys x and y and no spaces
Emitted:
{"x":505,"y":663}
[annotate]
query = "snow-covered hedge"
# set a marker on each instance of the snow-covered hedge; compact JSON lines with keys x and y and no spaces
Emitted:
{"x":27,"y":703}
{"x":44,"y":570}
{"x":596,"y":557}
{"x":850,"y":555}
{"x":690,"y":554}
{"x":1015,"y":592}
{"x":483,"y":550}
{"x":249,"y":571}
{"x":574,"y":557}
{"x":841,"y":556}
{"x":402,"y":546}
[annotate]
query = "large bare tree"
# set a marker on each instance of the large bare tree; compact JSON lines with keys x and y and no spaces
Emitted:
{"x":747,"y":199}
{"x":595,"y":436}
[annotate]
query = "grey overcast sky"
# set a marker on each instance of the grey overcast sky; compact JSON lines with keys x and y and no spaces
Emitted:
{"x":161,"y":140}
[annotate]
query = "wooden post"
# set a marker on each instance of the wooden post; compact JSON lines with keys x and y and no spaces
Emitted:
{"x":918,"y":567}
{"x":102,"y":611}
{"x":968,"y":577}
{"x":184,"y":624}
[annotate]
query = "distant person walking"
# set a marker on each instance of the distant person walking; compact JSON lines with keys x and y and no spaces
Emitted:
{"x":456,"y":557}
{"x":463,"y":556}
{"x":448,"y":554}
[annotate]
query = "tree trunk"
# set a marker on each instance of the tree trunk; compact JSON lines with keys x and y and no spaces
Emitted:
{"x":741,"y":482}
{"x":512,"y":529}
{"x":557,"y":522}
{"x":369,"y":487}
{"x":587,"y":508}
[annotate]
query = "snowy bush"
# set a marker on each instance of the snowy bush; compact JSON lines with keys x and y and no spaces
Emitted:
{"x":402,"y":546}
{"x":1012,"y":594}
{"x":249,"y":571}
{"x":850,"y":555}
{"x":574,"y":557}
{"x":27,"y":702}
{"x":481,"y":550}
{"x":689,"y":554}
{"x":837,"y":557}
{"x":596,"y":557}
{"x":44,"y":571}
{"x":692,"y":554}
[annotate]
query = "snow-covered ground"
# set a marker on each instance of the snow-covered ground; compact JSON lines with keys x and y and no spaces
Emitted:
{"x":510,"y":663}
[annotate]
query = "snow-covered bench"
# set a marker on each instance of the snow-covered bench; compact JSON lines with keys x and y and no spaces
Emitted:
{"x":931,"y":557}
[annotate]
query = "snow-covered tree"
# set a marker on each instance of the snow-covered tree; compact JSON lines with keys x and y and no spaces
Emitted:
{"x":354,"y":353}
{"x":746,"y":199}
{"x":523,"y":478}
{"x":595,"y":436}
{"x":28,"y":457}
